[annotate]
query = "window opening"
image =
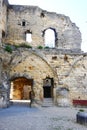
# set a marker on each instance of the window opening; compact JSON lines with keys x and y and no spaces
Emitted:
{"x":50,"y":38}
{"x":42,"y":15}
{"x":23,"y":23}
{"x":3,"y":34}
{"x":29,"y":36}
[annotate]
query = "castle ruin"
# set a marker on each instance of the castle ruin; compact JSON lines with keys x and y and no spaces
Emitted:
{"x":55,"y":68}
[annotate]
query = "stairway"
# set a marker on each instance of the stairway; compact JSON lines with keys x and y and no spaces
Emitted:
{"x":20,"y":102}
{"x":47,"y":102}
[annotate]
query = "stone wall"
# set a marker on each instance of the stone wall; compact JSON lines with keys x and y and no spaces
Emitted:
{"x":65,"y":64}
{"x":68,"y":70}
{"x":3,"y":19}
{"x":35,"y":20}
{"x":35,"y":67}
{"x":71,"y":71}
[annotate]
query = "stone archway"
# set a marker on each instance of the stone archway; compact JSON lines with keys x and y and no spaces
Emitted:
{"x":34,"y":66}
{"x":21,"y":88}
{"x":28,"y":65}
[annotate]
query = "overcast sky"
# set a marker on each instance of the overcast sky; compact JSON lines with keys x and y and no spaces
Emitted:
{"x":75,"y":9}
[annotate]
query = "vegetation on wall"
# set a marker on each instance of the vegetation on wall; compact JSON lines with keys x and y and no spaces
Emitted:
{"x":25,"y":45}
{"x":46,"y":47}
{"x":8,"y":48}
{"x":40,"y":47}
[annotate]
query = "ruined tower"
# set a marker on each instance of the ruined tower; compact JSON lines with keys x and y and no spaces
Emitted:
{"x":32,"y":21}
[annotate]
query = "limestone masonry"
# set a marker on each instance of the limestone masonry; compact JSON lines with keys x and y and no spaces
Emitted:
{"x":34,"y":67}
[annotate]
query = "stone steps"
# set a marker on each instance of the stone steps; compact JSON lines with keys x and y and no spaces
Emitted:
{"x":20,"y":102}
{"x":47,"y":102}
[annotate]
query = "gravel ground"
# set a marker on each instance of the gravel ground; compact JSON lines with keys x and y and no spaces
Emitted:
{"x":43,"y":118}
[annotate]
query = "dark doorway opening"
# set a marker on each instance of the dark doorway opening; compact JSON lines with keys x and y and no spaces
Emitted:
{"x":48,"y":87}
{"x":47,"y":92}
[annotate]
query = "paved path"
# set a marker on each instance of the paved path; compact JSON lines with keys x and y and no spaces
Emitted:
{"x":43,"y":118}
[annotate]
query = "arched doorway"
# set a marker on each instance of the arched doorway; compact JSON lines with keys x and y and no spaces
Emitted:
{"x":33,"y":68}
{"x":21,"y":88}
{"x":48,"y":88}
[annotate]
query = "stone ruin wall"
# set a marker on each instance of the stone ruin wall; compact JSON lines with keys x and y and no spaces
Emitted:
{"x":23,"y":63}
{"x":70,"y":68}
{"x":35,"y":67}
{"x":68,"y":71}
{"x":72,"y":73}
{"x":37,"y":21}
{"x":3,"y":19}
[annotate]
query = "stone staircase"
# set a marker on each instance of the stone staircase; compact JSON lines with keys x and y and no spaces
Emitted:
{"x":20,"y":102}
{"x":47,"y":102}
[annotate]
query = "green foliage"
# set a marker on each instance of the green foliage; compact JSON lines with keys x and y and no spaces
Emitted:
{"x":40,"y":47}
{"x":81,"y":110}
{"x":8,"y":48}
{"x":25,"y":45}
{"x":46,"y":47}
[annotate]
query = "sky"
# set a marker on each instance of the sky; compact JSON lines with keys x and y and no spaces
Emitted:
{"x":75,"y":9}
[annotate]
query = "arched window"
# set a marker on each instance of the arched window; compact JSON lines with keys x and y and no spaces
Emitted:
{"x":28,"y":36}
{"x":49,"y":38}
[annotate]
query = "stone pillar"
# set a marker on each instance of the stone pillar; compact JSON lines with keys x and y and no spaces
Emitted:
{"x":4,"y":90}
{"x":38,"y":91}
